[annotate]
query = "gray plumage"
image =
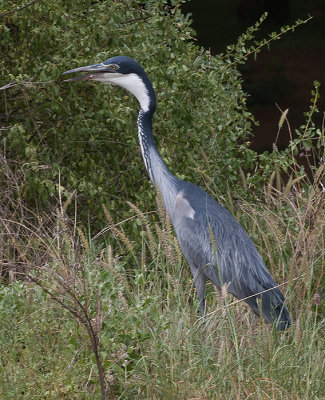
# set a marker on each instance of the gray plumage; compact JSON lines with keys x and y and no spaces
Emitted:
{"x":213,"y":242}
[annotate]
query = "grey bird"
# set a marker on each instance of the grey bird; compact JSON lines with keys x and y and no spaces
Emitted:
{"x":215,"y":245}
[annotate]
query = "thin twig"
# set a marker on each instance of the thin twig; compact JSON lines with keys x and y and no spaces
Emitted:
{"x":108,"y":228}
{"x":18,"y":9}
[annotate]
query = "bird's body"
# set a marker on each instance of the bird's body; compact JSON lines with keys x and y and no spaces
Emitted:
{"x":213,"y":242}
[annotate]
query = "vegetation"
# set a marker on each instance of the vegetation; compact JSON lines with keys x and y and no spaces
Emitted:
{"x":96,"y":300}
{"x":136,"y":311}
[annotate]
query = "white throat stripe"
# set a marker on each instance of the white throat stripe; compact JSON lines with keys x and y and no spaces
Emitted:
{"x":130,"y":82}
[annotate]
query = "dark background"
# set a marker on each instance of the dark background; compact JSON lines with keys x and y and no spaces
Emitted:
{"x":282,"y":75}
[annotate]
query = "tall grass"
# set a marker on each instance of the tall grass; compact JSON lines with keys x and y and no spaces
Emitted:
{"x":120,"y":320}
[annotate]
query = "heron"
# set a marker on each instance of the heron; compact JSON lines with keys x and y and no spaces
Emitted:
{"x":215,"y":245}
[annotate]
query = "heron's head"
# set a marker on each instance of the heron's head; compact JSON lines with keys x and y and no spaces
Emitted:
{"x":122,"y":71}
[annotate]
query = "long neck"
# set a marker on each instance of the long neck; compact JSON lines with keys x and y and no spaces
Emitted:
{"x":162,"y":179}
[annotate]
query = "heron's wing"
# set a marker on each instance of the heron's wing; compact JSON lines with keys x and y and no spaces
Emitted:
{"x":216,"y":245}
{"x":213,"y":240}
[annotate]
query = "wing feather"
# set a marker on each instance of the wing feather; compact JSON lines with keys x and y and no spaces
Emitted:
{"x":214,"y":241}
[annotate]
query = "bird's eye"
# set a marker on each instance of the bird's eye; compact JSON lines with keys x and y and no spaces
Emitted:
{"x":113,"y":66}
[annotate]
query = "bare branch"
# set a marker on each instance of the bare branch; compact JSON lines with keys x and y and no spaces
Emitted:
{"x":18,"y":9}
{"x":8,"y":86}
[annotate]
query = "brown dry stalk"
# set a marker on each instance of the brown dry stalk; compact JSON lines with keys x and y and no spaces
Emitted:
{"x":160,"y":206}
{"x":145,"y":222}
{"x":83,"y":239}
{"x":109,"y":265}
{"x":224,"y":292}
{"x":117,"y":232}
{"x":178,"y":251}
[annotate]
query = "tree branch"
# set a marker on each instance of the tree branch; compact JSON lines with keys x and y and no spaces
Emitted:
{"x":18,"y":9}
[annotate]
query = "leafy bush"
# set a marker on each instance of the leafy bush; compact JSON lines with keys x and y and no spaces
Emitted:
{"x":89,"y":320}
{"x":83,"y":137}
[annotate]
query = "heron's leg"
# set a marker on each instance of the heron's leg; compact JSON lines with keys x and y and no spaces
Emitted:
{"x":199,"y":282}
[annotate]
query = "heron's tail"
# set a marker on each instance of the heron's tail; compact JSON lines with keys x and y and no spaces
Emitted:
{"x":273,"y":308}
{"x":280,"y":316}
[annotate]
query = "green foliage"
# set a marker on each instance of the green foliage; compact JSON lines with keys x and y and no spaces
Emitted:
{"x":30,"y":341}
{"x":151,"y":342}
{"x":84,"y":134}
{"x":82,"y":137}
{"x":133,"y":306}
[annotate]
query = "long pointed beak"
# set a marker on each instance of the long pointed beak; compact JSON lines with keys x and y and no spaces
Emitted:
{"x":89,"y":70}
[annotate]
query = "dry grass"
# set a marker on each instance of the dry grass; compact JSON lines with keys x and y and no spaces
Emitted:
{"x":128,"y":317}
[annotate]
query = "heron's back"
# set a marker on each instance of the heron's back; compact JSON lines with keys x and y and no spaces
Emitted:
{"x":214,"y":242}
